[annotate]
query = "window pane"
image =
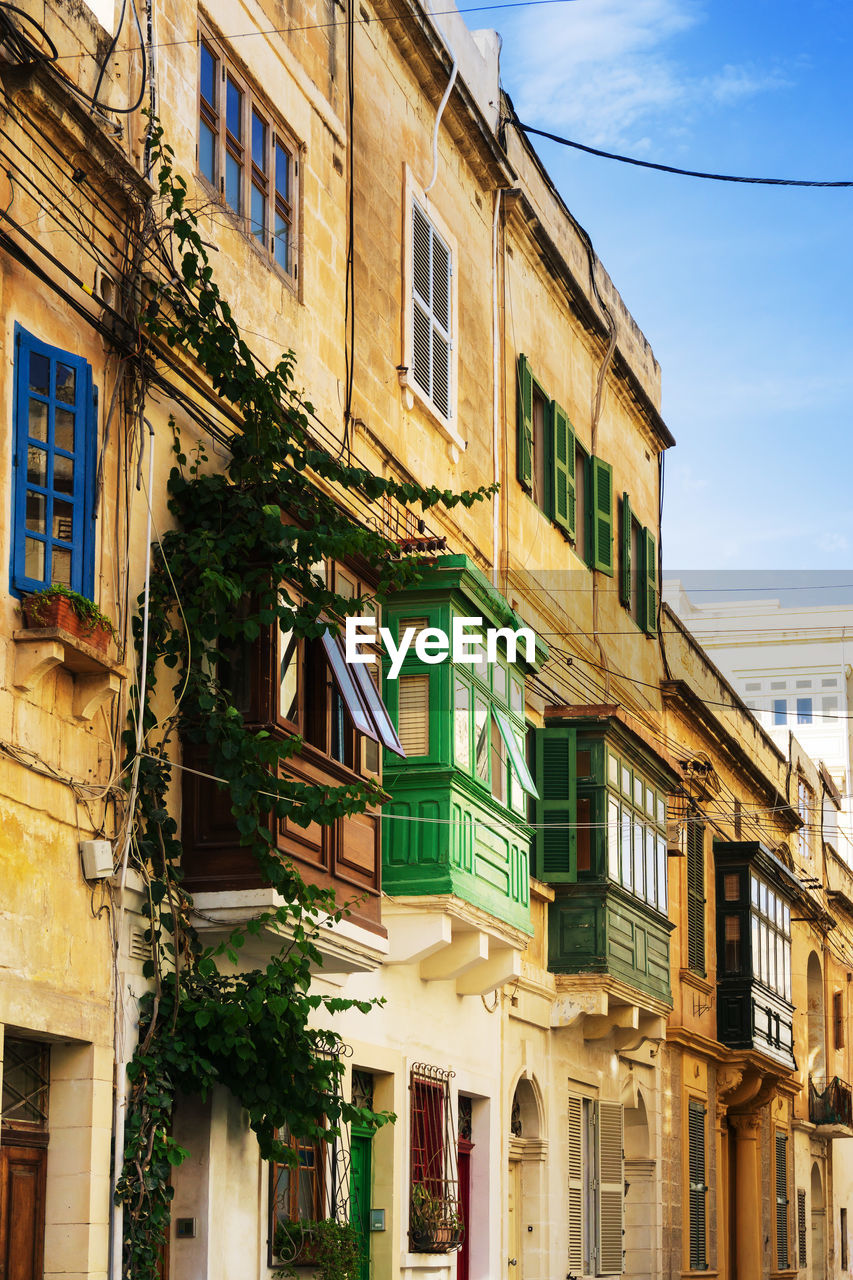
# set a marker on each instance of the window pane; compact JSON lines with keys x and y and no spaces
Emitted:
{"x":66,"y":382}
{"x":259,"y":213}
{"x":584,"y":834}
{"x":499,"y":682}
{"x":234,"y":110}
{"x":517,"y":697}
{"x":613,"y":839}
{"x":63,"y":430}
{"x":753,"y":890}
{"x":804,"y":710}
{"x":282,"y":172}
{"x":38,"y":420}
{"x":233,"y":182}
{"x":207,"y":151}
{"x":462,"y":726}
{"x":207,"y":76}
{"x":39,"y":374}
{"x":481,"y":739}
{"x":662,"y":874}
{"x":779,"y":711}
{"x":259,"y":142}
{"x":63,"y":520}
{"x":34,"y":559}
{"x":499,"y":765}
{"x":651,"y":891}
{"x":282,"y":242}
{"x":36,"y":512}
{"x":36,"y":466}
{"x":627,"y":864}
{"x":639,"y":865}
{"x":732,"y":941}
{"x":756,"y":951}
{"x":63,"y":474}
{"x":60,"y":567}
{"x":288,"y":649}
{"x":731,"y":886}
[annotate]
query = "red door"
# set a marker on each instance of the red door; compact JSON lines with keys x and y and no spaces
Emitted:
{"x":463,"y":1262}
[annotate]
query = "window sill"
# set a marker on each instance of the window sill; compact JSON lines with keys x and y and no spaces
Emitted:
{"x":413,"y":395}
{"x":39,"y":651}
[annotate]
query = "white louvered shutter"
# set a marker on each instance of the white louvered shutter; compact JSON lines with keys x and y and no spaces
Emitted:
{"x":576,"y":1190}
{"x":611,"y":1187}
{"x":413,"y":714}
{"x":431,"y":317}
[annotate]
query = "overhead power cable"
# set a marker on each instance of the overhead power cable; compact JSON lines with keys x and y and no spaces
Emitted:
{"x":668,"y":168}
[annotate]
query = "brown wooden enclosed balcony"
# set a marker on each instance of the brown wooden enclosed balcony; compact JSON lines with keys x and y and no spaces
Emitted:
{"x":831,"y":1106}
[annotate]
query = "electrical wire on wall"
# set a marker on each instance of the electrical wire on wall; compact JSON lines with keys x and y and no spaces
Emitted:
{"x":349,"y":287}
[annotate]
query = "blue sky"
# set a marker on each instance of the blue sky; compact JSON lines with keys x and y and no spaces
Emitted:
{"x":743,"y":292}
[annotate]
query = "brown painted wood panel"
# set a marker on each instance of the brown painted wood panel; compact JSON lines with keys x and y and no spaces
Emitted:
{"x":23,"y":1173}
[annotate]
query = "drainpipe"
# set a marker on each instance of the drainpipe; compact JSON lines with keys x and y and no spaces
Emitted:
{"x":496,"y":380}
{"x":116,"y":1219}
{"x":444,"y":100}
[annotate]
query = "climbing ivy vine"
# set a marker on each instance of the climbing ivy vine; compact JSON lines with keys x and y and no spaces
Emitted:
{"x":266,"y":519}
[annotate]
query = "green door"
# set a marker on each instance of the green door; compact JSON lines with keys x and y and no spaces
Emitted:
{"x":360,"y":1195}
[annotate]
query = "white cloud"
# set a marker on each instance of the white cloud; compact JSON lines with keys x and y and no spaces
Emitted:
{"x":596,"y":68}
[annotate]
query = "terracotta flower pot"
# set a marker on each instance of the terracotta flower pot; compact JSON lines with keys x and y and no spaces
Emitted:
{"x":57,"y":611}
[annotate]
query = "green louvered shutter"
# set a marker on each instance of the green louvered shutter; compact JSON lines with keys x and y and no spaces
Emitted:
{"x":625,"y":553}
{"x":802,"y":1232}
{"x":611,"y":1187}
{"x":525,"y":424}
{"x":698,"y":1190}
{"x":781,"y":1201}
{"x":602,"y":516}
{"x":556,"y":838}
{"x":650,"y":574}
{"x":563,"y":471}
{"x":696,"y":897}
{"x":576,"y":1184}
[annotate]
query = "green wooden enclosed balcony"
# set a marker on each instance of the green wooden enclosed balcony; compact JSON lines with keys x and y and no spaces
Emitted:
{"x":458,"y":821}
{"x":601,"y":843}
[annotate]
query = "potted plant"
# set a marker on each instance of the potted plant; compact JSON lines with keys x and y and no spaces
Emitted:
{"x":434,"y":1222}
{"x":61,"y":607}
{"x":332,"y":1248}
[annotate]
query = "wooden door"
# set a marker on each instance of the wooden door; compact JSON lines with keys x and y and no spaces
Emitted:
{"x":22,"y":1185}
{"x":463,"y":1257}
{"x":514,"y":1269}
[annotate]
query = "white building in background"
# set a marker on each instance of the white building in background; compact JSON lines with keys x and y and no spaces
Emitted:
{"x":792,"y":667}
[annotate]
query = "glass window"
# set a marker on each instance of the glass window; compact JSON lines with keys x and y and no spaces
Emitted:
{"x":499,"y":765}
{"x":55,"y":436}
{"x":517,"y":697}
{"x":627,"y":860}
{"x":626,"y":780}
{"x":499,"y":682}
{"x":288,"y":697}
{"x":612,"y":770}
{"x":731,"y":886}
{"x":639,"y":861}
{"x":613,"y":838}
{"x":662,"y":875}
{"x":651,"y":867}
{"x":731,"y":930}
{"x":482,"y":723}
{"x":780,"y":711}
{"x":584,"y":834}
{"x":804,"y":710}
{"x":462,"y":725}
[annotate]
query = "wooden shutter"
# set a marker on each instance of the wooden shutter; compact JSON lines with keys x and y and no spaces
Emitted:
{"x":625,"y":553}
{"x":698,"y":1190}
{"x":611,"y":1186}
{"x":556,"y":836}
{"x":696,"y":896}
{"x":601,"y":556}
{"x":441,"y":268}
{"x":524,"y":446}
{"x":413,"y":714}
{"x":781,"y":1201}
{"x":650,"y":575}
{"x":431,"y":319}
{"x":563,"y":467}
{"x":802,"y":1233}
{"x":576,"y":1183}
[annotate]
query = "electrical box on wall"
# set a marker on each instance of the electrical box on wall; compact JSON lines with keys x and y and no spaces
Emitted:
{"x":97,"y":858}
{"x":377,"y":1219}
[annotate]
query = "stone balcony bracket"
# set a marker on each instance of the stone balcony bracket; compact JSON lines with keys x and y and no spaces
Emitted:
{"x":450,"y":941}
{"x":38,"y":651}
{"x":602,"y":1012}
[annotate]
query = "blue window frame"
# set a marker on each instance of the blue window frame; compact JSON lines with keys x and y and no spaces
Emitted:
{"x":53,"y":538}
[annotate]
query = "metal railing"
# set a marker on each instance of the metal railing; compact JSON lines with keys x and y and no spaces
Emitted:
{"x":830,"y":1101}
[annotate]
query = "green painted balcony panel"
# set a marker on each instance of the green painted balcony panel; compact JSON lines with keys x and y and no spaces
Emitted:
{"x":593,"y":929}
{"x":472,"y":851}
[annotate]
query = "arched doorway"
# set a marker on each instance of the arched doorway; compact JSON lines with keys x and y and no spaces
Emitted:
{"x":527,"y":1250}
{"x":818,"y":1233}
{"x":639,"y":1197}
{"x":817,"y":1033}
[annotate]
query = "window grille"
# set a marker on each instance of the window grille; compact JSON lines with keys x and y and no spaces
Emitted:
{"x":435,"y":1224}
{"x":312,"y":1185}
{"x":26,"y":1080}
